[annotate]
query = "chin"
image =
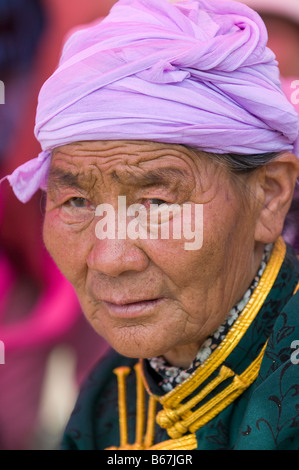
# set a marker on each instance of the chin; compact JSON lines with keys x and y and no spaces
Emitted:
{"x":132,"y":347}
{"x":139,"y":340}
{"x":135,"y":352}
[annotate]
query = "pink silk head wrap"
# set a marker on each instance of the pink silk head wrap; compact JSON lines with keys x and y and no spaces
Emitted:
{"x":196,"y":73}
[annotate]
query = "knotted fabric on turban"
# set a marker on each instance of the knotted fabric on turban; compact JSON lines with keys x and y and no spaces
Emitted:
{"x":196,"y":73}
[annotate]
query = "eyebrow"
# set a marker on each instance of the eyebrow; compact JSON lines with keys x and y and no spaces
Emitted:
{"x":166,"y":176}
{"x":62,"y":178}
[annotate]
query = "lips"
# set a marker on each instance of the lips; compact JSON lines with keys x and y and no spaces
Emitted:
{"x":123,"y":302}
{"x":131,"y":308}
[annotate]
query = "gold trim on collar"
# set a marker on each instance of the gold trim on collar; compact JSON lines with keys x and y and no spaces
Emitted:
{"x":178,"y":418}
{"x":181,"y":420}
{"x":187,"y":442}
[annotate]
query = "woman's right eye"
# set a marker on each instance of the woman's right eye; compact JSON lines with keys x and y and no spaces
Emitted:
{"x":77,"y":209}
{"x":77,"y":203}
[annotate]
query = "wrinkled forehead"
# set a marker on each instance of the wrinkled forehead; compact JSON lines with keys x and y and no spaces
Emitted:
{"x":139,"y":163}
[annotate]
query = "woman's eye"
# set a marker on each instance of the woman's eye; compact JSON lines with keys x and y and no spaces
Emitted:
{"x":78,"y":203}
{"x":158,"y":201}
{"x":153,"y":201}
{"x":158,"y":211}
{"x":77,"y":210}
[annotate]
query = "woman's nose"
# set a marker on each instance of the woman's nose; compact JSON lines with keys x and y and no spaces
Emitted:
{"x":113,"y":257}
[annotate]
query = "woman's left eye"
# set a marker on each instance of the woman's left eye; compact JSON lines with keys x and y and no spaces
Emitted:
{"x":155,"y":201}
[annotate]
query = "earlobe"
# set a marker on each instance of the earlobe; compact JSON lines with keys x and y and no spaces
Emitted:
{"x":278,"y":186}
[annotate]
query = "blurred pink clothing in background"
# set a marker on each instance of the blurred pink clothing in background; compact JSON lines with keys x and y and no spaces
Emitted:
{"x":39,"y":311}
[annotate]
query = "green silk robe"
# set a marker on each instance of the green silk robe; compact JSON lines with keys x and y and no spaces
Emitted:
{"x":245,"y":396}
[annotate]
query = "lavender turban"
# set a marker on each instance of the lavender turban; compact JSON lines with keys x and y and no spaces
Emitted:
{"x":196,"y":73}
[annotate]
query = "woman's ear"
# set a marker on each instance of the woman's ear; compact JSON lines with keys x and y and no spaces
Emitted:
{"x":276,"y":187}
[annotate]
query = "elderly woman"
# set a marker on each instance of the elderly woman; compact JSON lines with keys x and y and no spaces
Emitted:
{"x":164,"y":104}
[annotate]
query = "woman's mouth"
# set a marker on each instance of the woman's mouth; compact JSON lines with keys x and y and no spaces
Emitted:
{"x":131,"y":309}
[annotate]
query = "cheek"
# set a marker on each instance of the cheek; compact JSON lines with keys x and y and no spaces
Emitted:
{"x":67,"y":248}
{"x":194,"y":272}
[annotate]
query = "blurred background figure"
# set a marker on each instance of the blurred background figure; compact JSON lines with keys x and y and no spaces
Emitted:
{"x":282,"y":20}
{"x":49,"y":347}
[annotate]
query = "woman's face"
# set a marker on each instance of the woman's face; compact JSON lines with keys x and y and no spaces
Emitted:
{"x":149,"y":296}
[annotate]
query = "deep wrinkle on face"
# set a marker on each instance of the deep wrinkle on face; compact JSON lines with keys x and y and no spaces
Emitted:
{"x":182,"y":296}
